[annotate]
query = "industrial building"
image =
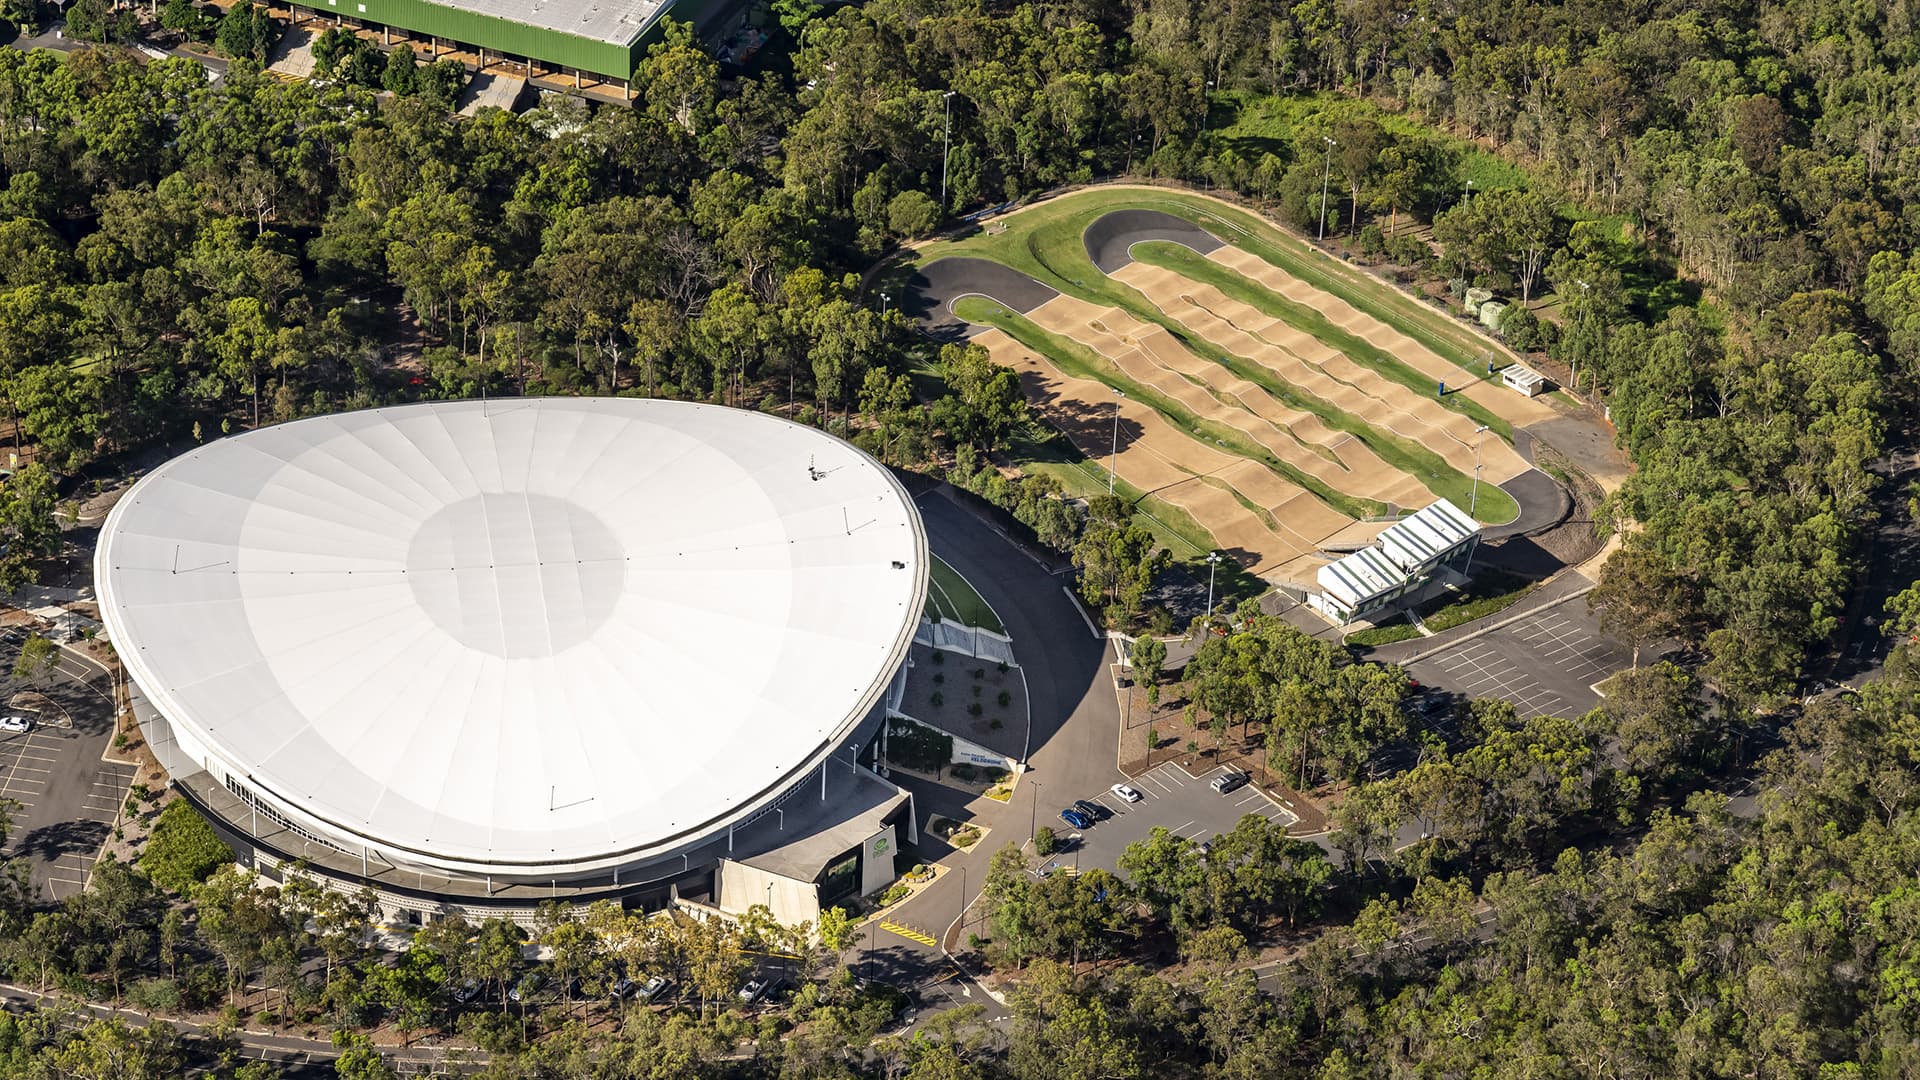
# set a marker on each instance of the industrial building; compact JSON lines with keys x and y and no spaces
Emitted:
{"x":1403,"y":559}
{"x":604,"y":38}
{"x":477,"y":655}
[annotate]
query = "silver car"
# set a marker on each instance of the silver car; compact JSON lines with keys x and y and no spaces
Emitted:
{"x":18,"y":725}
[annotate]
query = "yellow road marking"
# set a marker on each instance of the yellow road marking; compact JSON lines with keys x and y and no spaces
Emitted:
{"x":910,"y":934}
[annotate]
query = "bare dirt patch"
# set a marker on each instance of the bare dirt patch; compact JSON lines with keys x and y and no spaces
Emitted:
{"x":1154,"y":456}
{"x":1149,"y":354}
{"x":1325,"y":373}
{"x":1516,"y":409}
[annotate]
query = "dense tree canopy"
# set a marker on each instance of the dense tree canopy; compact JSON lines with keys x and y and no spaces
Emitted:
{"x":1718,"y":205}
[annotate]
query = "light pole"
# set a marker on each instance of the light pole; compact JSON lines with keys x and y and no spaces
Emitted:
{"x":883,"y":304}
{"x":1473,"y":502}
{"x":946,"y":145}
{"x":1213,"y":561}
{"x":1033,"y":821}
{"x":1326,"y":175}
{"x":1468,"y":195}
{"x":1114,"y":454}
{"x":1586,"y":310}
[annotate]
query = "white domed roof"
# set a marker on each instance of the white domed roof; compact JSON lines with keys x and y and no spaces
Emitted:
{"x":533,"y":634}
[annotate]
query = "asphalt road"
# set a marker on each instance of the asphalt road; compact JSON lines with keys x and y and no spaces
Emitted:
{"x":1110,"y":239}
{"x":1073,"y":738}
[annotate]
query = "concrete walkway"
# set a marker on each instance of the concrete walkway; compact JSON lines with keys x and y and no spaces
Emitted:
{"x":293,"y":56}
{"x":491,"y":90}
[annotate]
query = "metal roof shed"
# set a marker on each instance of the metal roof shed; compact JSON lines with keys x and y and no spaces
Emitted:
{"x":1429,"y":537}
{"x":1358,"y":579}
{"x":1524,"y":379}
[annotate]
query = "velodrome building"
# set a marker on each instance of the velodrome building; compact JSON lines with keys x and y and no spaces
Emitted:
{"x":478,"y":655}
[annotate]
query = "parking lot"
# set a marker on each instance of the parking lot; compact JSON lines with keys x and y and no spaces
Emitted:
{"x":1169,"y":797}
{"x":1544,"y":665}
{"x":65,"y":798}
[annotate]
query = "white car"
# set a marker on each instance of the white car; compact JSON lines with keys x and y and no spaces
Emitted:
{"x":19,"y":725}
{"x":1126,"y":793}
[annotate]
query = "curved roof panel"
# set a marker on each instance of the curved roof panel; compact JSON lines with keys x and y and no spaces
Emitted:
{"x":526,"y":634}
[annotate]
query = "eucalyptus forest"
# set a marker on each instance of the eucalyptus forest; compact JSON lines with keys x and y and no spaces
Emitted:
{"x":1711,"y":874}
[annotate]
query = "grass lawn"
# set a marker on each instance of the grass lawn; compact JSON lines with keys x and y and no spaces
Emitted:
{"x":1256,"y":124}
{"x":950,"y":596}
{"x":1046,"y":242}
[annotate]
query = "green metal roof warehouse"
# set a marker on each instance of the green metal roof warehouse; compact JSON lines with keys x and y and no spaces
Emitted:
{"x":597,"y":37}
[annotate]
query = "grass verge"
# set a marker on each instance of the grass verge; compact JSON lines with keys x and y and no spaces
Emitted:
{"x":1384,"y":635}
{"x":951,"y":596}
{"x":1489,"y":593}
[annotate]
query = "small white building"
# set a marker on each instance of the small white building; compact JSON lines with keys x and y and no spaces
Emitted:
{"x":1402,"y":559}
{"x":1356,"y":584}
{"x":1524,"y":379}
{"x":1429,"y":538}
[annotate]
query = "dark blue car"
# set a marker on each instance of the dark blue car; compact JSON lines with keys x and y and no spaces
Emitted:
{"x":1076,"y":819}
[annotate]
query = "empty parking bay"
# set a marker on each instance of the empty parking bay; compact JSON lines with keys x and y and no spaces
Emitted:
{"x":1543,"y":665}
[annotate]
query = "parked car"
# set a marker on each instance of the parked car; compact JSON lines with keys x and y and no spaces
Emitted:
{"x":623,"y":988}
{"x":1226,"y":782}
{"x":466,"y":991}
{"x":1126,"y":793}
{"x":751,"y":992}
{"x":526,"y":987}
{"x":1076,"y":819}
{"x":653,"y":988}
{"x":18,"y":725}
{"x":1092,"y":809}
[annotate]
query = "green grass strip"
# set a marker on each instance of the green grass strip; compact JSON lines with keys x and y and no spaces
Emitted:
{"x":1079,"y":361}
{"x":1186,"y":262}
{"x":958,"y":599}
{"x":1491,"y":591}
{"x":1384,"y":635}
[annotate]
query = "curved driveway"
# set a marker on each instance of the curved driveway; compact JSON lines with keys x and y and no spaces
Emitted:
{"x":1075,"y":724}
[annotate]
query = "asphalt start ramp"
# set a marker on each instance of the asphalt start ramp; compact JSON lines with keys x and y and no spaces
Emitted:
{"x":1110,"y":238}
